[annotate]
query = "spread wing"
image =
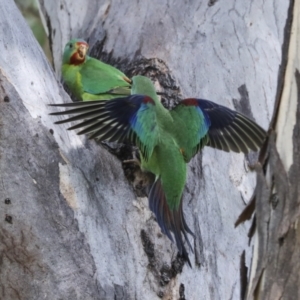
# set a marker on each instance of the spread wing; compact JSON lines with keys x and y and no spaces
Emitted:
{"x":128,"y":119}
{"x":217,"y":126}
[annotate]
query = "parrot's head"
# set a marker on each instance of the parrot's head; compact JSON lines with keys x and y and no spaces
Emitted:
{"x":75,"y":52}
{"x":143,"y":86}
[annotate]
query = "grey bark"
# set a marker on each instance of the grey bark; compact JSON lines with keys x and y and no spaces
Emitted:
{"x":74,"y":228}
{"x":275,"y":263}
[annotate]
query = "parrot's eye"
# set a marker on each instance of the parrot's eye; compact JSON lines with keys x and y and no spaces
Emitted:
{"x":71,"y":46}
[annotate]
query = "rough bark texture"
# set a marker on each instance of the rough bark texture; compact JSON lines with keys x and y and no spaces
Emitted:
{"x":71,"y":226}
{"x":275,"y":264}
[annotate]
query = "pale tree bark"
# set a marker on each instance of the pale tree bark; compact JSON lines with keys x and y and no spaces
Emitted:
{"x":275,"y":263}
{"x":72,"y":226}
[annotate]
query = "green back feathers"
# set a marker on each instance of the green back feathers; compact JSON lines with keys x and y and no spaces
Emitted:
{"x":192,"y":135}
{"x":99,"y":78}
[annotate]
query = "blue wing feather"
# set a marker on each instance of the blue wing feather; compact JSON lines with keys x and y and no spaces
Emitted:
{"x":231,"y":130}
{"x":219,"y":127}
{"x":131,"y":119}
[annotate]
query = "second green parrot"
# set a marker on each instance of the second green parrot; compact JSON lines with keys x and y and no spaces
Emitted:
{"x":167,"y":140}
{"x":89,"y":78}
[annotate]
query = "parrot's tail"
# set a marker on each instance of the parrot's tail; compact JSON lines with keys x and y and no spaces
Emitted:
{"x":170,"y":220}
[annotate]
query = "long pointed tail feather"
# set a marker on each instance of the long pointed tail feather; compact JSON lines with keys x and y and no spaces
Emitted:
{"x":170,"y":221}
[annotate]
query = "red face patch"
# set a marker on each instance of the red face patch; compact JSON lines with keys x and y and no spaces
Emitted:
{"x":76,"y":59}
{"x":79,"y":56}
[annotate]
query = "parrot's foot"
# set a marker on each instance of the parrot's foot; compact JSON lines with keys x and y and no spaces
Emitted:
{"x":132,"y":161}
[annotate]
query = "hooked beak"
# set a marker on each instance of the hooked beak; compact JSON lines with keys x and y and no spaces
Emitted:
{"x":82,"y":49}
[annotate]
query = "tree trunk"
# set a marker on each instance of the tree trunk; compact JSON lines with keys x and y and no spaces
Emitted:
{"x":72,"y":226}
{"x":275,"y":263}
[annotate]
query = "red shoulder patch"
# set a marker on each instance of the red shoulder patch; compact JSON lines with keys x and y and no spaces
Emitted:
{"x":148,"y":100}
{"x":190,"y":102}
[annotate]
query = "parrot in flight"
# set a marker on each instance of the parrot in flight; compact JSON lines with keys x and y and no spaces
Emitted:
{"x":89,"y":78}
{"x":167,"y":140}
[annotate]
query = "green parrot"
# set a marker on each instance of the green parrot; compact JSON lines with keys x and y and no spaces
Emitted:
{"x":167,"y":140}
{"x":89,"y":78}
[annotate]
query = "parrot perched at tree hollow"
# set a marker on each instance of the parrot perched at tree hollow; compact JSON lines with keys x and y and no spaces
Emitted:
{"x":167,"y":140}
{"x":89,"y":78}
